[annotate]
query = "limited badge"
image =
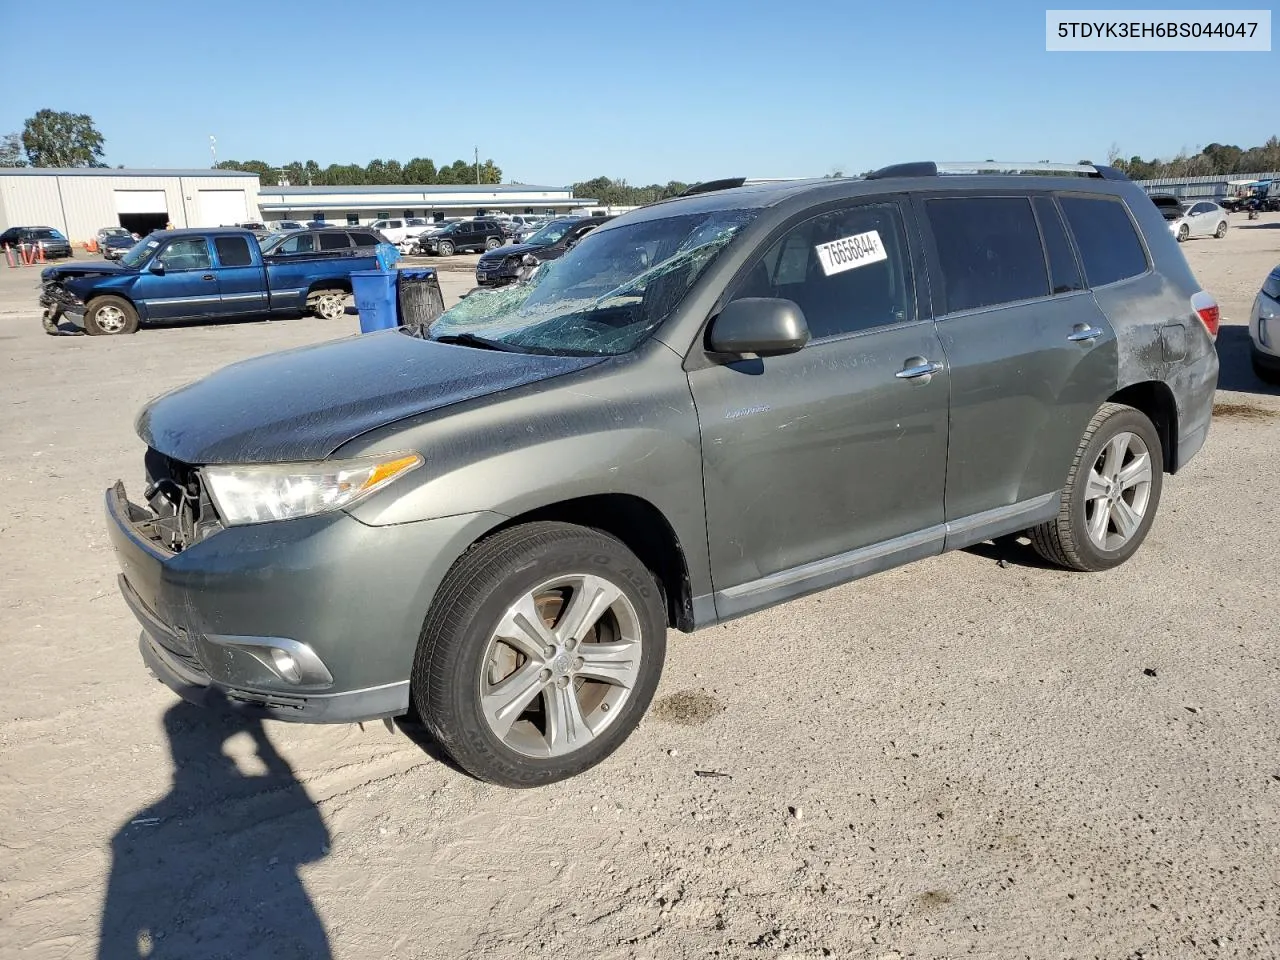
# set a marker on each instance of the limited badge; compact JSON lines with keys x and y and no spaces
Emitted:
{"x":848,"y":253}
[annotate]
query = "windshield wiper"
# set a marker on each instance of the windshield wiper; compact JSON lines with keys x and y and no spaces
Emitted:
{"x":473,"y":340}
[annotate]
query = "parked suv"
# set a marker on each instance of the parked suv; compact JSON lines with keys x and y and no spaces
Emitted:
{"x":401,"y":229}
{"x":358,"y":240}
{"x":500,"y":267}
{"x":462,"y":236}
{"x":51,"y":241}
{"x":709,"y":406}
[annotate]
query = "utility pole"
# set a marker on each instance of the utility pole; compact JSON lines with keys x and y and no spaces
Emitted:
{"x":477,"y":165}
{"x":213,"y":150}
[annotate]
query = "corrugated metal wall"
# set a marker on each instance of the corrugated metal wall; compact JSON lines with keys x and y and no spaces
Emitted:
{"x":1214,"y":186}
{"x":80,"y":205}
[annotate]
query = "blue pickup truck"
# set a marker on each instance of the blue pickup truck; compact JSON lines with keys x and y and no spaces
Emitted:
{"x":205,"y":275}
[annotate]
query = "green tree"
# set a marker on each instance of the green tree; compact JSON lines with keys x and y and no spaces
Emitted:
{"x":490,"y":172}
{"x":420,"y":170}
{"x":11,"y":151}
{"x":310,"y":174}
{"x":54,"y":139}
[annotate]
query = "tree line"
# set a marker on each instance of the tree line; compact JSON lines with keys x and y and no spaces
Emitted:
{"x":376,"y":173}
{"x":1215,"y":159}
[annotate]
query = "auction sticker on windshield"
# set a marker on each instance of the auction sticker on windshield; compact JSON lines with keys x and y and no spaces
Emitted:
{"x":847,"y":253}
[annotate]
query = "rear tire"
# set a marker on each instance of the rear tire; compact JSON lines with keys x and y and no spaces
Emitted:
{"x":1221,"y":231}
{"x":1102,"y":521}
{"x":109,"y":316}
{"x":328,"y":304}
{"x":508,"y":702}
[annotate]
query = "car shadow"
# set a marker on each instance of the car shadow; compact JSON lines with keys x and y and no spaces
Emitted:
{"x":211,"y":869}
{"x":1012,"y":550}
{"x":1274,"y":225}
{"x":1235,"y":370}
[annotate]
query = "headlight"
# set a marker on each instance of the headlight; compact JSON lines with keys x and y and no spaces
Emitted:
{"x":1272,"y":285}
{"x":257,"y":493}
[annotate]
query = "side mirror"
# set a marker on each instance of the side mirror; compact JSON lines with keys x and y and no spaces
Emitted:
{"x":759,"y":325}
{"x":157,"y":267}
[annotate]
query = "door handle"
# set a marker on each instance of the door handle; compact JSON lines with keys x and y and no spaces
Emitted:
{"x":1083,"y":334}
{"x":917,"y":368}
{"x":207,"y":276}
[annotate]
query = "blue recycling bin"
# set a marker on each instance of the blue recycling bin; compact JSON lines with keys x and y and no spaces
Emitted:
{"x":375,"y":292}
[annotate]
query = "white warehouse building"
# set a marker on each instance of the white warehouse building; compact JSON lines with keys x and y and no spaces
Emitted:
{"x":80,"y":201}
{"x":357,"y":205}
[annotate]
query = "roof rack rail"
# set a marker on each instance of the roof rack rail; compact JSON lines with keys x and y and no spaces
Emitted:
{"x":726,"y":184}
{"x":928,"y":168}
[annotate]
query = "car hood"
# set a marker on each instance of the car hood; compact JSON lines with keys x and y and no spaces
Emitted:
{"x":303,"y":404}
{"x":69,"y":271}
{"x":519,"y":250}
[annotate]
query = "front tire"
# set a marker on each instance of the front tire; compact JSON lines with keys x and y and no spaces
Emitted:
{"x":1111,"y":495}
{"x":540,"y":654}
{"x":1183,"y":233}
{"x":493,"y":243}
{"x":446,"y":248}
{"x":109,"y":316}
{"x":1267,"y":373}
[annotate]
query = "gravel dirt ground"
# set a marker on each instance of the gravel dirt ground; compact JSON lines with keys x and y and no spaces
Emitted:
{"x":973,"y":756}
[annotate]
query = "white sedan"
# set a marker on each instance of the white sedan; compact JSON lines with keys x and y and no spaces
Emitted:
{"x":1264,"y":330}
{"x":1200,"y":218}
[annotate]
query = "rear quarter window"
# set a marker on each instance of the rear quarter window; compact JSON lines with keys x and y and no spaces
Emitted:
{"x":1109,"y":246}
{"x":365,"y":239}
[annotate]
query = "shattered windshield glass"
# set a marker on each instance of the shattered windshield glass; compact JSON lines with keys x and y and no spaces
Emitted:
{"x":604,"y":296}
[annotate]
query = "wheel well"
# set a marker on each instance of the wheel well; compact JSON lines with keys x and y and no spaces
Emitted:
{"x":321,"y":286}
{"x":1155,"y":399}
{"x":645,"y":531}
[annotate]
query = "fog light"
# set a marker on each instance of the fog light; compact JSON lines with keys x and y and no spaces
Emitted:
{"x":285,"y":665}
{"x":1263,"y":337}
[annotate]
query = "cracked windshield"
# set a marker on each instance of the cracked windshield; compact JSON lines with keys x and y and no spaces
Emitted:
{"x":601,"y":298}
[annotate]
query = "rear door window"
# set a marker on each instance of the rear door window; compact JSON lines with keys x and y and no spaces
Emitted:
{"x":1064,"y":272}
{"x":989,"y":250}
{"x":334,"y":241}
{"x":233,"y":251}
{"x":365,"y":239}
{"x":1106,"y":238}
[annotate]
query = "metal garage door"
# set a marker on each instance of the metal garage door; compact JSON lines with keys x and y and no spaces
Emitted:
{"x":141,"y":201}
{"x":221,"y":208}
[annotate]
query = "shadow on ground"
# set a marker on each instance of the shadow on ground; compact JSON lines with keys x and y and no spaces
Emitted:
{"x":1235,"y":371}
{"x":211,"y":869}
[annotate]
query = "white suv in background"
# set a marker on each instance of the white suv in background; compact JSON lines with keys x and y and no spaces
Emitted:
{"x":402,"y":229}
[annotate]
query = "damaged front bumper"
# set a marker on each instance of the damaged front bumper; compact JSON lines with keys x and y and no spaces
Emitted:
{"x":313,"y":620}
{"x":58,"y":304}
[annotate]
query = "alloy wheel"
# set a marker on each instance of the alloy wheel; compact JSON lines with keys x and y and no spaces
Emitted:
{"x":559,"y":666}
{"x":1117,"y":491}
{"x":110,"y":319}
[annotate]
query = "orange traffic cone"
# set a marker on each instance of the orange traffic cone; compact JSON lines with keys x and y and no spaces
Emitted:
{"x":40,"y":247}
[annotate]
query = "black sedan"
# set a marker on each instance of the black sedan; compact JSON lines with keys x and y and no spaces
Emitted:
{"x":499,"y":267}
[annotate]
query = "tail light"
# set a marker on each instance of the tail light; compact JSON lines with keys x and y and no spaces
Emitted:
{"x":1206,"y":308}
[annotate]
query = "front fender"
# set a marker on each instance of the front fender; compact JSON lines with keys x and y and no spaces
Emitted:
{"x":623,"y":427}
{"x":86,"y":288}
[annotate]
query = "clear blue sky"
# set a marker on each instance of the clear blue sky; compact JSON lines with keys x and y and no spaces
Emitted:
{"x":648,"y":91}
